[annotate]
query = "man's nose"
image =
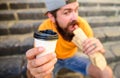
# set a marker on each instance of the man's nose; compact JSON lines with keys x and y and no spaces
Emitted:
{"x":74,"y":16}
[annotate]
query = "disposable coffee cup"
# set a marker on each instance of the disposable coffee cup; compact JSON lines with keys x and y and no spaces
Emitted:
{"x":46,"y":39}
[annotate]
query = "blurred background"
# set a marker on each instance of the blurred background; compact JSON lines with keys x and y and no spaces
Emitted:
{"x":20,"y":18}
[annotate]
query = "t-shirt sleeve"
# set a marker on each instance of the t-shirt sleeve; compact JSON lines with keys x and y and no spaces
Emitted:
{"x":47,"y":24}
{"x":42,"y":26}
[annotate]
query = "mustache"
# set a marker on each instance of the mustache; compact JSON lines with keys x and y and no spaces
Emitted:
{"x":74,"y":22}
{"x":66,"y":35}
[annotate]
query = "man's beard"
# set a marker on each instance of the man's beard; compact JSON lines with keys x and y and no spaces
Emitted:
{"x":65,"y":32}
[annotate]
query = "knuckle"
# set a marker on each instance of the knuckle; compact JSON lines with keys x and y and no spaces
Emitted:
{"x":32,"y":72}
{"x":28,"y":67}
{"x":97,"y":40}
{"x":36,"y":76}
{"x":40,"y":75}
{"x":48,"y":57}
{"x":36,"y":62}
{"x":44,"y":61}
{"x":41,"y":69}
{"x":28,"y":53}
{"x":46,"y":72}
{"x":40,"y":61}
{"x":55,"y":60}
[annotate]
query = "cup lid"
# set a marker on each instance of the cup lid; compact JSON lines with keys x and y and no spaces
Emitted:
{"x":46,"y":35}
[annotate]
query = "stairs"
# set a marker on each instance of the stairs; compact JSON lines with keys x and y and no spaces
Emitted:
{"x":20,"y":18}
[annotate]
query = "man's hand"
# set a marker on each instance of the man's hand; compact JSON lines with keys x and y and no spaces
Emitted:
{"x":42,"y":66}
{"x":92,"y":45}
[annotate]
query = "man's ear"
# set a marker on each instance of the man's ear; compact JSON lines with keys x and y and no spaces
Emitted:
{"x":52,"y":18}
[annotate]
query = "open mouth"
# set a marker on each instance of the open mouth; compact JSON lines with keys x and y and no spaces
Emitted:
{"x":71,"y":28}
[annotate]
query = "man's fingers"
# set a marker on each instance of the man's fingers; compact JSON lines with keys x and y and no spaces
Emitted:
{"x":43,"y":60}
{"x":30,"y":54}
{"x":47,"y":66}
{"x":46,"y":74}
{"x":43,"y":69}
{"x":89,"y":50}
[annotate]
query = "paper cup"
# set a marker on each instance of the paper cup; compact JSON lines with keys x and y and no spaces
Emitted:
{"x":46,"y":39}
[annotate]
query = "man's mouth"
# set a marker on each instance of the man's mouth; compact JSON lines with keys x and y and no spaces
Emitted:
{"x":71,"y":28}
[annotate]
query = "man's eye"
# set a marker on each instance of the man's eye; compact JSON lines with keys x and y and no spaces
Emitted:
{"x":66,"y":13}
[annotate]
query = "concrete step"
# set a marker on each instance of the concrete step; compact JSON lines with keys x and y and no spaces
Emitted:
{"x":107,"y":33}
{"x":23,"y":4}
{"x":112,"y":51}
{"x":37,"y":13}
{"x":27,"y":26}
{"x":103,"y":21}
{"x":99,"y":11}
{"x":100,"y":1}
{"x":19,"y":44}
{"x":12,"y":66}
{"x":19,"y":27}
{"x":15,"y":44}
{"x":33,"y":14}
